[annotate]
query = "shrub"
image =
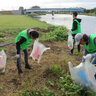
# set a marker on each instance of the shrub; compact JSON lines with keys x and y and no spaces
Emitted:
{"x":58,"y":34}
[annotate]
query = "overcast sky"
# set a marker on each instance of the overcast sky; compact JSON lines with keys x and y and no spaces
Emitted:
{"x":15,"y":4}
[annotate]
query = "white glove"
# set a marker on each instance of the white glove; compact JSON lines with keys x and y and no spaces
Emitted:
{"x":69,"y":33}
{"x":87,"y":57}
{"x":18,"y":55}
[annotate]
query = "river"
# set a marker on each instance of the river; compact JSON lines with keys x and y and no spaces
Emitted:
{"x":88,"y":23}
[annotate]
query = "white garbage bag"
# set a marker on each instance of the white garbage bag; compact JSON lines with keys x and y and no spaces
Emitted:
{"x":78,"y":74}
{"x":70,"y":41}
{"x":38,"y":49}
{"x":3,"y":58}
{"x":90,"y":70}
{"x":84,"y":74}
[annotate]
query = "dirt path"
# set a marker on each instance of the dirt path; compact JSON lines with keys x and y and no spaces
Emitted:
{"x":11,"y":82}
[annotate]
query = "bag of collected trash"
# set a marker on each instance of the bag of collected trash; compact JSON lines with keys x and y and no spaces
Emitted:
{"x":90,"y":70}
{"x":70,"y":41}
{"x":38,"y":49}
{"x":2,"y":61}
{"x":78,"y":73}
{"x":84,"y":74}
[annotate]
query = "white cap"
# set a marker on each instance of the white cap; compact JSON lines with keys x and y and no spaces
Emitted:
{"x":78,"y":38}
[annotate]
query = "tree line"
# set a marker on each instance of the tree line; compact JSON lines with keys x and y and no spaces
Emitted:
{"x":90,"y":10}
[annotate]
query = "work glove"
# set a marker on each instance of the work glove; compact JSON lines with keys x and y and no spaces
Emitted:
{"x":18,"y":55}
{"x":87,"y":57}
{"x":69,"y":33}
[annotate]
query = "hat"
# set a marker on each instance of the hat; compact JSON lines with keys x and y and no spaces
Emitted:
{"x":30,"y":30}
{"x":78,"y":38}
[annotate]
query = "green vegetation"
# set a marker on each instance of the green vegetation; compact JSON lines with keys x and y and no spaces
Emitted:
{"x":91,"y":12}
{"x":1,"y":34}
{"x":10,"y":25}
{"x":17,"y":22}
{"x":61,"y":85}
{"x":76,"y":53}
{"x":57,"y":33}
{"x":59,"y":82}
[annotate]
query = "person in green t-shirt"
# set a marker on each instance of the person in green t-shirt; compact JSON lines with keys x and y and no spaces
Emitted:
{"x":89,"y":43}
{"x":76,"y":28}
{"x":23,"y":41}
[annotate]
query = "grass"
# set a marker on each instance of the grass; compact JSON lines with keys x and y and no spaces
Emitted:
{"x":20,"y":22}
{"x":11,"y":25}
{"x":61,"y":84}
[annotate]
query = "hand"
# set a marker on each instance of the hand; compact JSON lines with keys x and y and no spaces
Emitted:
{"x":87,"y":57}
{"x":69,"y":33}
{"x":18,"y":55}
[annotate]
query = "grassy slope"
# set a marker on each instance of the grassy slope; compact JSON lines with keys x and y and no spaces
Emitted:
{"x":11,"y":83}
{"x":19,"y":22}
{"x":10,"y":25}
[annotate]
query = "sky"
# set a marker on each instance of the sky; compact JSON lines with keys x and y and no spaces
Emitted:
{"x":15,"y":4}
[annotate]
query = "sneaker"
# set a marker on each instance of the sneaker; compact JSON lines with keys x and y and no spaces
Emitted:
{"x":71,"y":53}
{"x":28,"y":67}
{"x":20,"y":72}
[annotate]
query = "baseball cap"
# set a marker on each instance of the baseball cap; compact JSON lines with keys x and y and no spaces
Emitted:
{"x":78,"y":38}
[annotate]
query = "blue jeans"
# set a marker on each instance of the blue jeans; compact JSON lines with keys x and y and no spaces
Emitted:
{"x":94,"y":60}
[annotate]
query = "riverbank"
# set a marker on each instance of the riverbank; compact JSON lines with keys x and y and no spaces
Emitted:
{"x":42,"y":75}
{"x":88,"y":14}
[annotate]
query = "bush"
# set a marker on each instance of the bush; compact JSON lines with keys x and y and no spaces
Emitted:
{"x":52,"y":27}
{"x":61,"y":33}
{"x":58,"y":34}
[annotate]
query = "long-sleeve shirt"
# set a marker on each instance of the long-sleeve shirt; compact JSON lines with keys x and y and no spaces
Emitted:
{"x":21,"y":40}
{"x":86,"y":52}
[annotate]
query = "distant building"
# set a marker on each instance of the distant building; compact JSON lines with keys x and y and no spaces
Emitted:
{"x":18,"y":12}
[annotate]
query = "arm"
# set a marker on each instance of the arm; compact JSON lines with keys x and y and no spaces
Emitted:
{"x":74,"y":26}
{"x":95,"y":41}
{"x":93,"y":55}
{"x":84,"y":54}
{"x":21,"y":40}
{"x":89,"y":56}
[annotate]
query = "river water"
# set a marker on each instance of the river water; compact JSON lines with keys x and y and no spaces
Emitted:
{"x":88,"y":23}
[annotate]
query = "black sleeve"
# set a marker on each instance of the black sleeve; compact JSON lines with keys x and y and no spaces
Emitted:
{"x":95,"y":41}
{"x":21,"y":40}
{"x":74,"y":26}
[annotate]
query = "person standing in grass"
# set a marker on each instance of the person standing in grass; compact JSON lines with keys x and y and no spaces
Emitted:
{"x":23,"y":41}
{"x":76,"y":28}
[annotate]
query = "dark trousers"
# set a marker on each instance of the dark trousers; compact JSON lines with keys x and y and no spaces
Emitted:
{"x":25,"y":58}
{"x":78,"y":46}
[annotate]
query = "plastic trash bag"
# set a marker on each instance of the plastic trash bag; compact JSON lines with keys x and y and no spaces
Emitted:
{"x":3,"y":58}
{"x":84,"y":74}
{"x":90,"y":70}
{"x":70,"y":41}
{"x":77,"y":73}
{"x":38,"y":49}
